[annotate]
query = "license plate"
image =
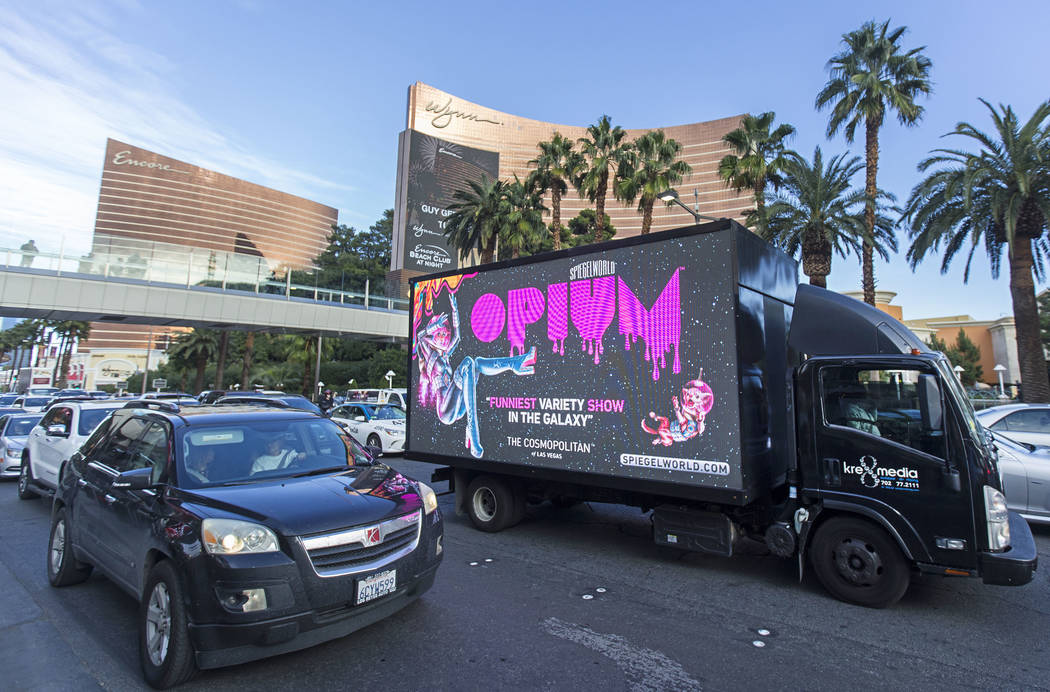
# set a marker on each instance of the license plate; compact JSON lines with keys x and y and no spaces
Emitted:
{"x":376,"y":586}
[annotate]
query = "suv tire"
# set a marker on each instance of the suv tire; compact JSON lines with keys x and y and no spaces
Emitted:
{"x":165,"y":651}
{"x":25,"y":480}
{"x":63,"y":569}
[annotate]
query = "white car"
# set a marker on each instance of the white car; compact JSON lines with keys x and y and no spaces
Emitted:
{"x":373,"y":425}
{"x":53,"y":440}
{"x":32,"y":403}
{"x":397,"y":397}
{"x":1027,"y":423}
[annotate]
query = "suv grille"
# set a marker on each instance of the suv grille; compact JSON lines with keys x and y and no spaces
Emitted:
{"x":363,"y":548}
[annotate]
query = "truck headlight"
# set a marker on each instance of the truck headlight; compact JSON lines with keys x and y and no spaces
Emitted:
{"x":233,"y":537}
{"x":430,"y":498}
{"x":997,"y":517}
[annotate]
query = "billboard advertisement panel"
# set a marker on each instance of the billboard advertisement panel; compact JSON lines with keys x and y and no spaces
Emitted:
{"x":620,"y":362}
{"x":436,"y":169}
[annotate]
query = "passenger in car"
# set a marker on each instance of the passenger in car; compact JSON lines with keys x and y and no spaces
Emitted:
{"x":276,"y":456}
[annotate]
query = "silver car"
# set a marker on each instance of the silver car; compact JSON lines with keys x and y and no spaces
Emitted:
{"x":1027,"y":423}
{"x":1025,"y":470}
{"x":14,"y":429}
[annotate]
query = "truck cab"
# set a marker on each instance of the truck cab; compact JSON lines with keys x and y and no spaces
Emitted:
{"x":889,"y":441}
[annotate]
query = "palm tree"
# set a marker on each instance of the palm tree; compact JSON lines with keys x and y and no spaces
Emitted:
{"x":476,"y":219}
{"x":195,"y":347}
{"x":818,"y":214}
{"x":72,"y":333}
{"x":554,"y":168}
{"x":652,"y":167}
{"x":246,"y":365}
{"x":220,"y":361}
{"x":870,"y":76}
{"x":604,"y":154}
{"x":757,"y":158}
{"x":522,"y":218}
{"x":995,"y":197}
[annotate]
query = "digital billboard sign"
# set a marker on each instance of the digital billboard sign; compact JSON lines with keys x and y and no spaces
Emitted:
{"x":436,"y":171}
{"x":620,"y":361}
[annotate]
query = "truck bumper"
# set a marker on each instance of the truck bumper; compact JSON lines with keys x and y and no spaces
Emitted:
{"x":1017,"y":565}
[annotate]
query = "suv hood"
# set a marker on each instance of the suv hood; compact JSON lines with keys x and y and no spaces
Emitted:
{"x":312,"y":504}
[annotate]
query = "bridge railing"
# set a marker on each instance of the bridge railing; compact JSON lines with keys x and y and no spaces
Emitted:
{"x":193,"y":268}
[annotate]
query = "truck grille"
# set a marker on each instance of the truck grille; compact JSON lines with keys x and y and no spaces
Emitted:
{"x":363,"y":548}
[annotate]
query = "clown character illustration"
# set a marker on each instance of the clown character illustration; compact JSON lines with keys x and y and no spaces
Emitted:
{"x":453,"y":391}
{"x":697,"y":400}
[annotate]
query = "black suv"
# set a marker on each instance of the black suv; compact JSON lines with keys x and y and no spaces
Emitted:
{"x":243,"y":532}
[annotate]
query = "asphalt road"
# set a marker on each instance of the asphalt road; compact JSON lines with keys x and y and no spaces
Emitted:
{"x":576,"y":599}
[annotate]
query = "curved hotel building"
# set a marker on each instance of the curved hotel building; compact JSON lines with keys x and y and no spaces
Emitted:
{"x":165,"y":220}
{"x":448,"y":140}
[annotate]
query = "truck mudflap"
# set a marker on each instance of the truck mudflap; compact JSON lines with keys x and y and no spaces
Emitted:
{"x":1017,"y":565}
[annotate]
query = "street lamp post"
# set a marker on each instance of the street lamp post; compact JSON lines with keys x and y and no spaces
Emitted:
{"x":671,"y":195}
{"x":1002,"y":389}
{"x":389,"y":379}
{"x":959,"y":370}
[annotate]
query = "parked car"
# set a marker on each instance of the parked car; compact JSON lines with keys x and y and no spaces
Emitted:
{"x":377,"y":426}
{"x":275,"y":400}
{"x":1028,"y":423}
{"x":370,"y":396}
{"x":14,"y":429}
{"x":53,"y":440}
{"x":243,"y":532}
{"x":210,"y":396}
{"x":1025,"y":471}
{"x":31,"y":404}
{"x":167,"y":395}
{"x":397,"y":397}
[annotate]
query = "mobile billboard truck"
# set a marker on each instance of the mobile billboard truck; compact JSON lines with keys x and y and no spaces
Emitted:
{"x":688,"y":373}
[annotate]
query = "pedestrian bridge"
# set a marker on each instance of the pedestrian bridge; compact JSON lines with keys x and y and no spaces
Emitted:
{"x":50,"y":286}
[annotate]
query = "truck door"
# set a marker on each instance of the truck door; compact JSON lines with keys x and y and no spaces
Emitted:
{"x":874,"y":453}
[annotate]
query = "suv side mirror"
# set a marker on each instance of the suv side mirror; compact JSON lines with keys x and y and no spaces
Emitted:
{"x":57,"y":431}
{"x":135,"y":479}
{"x":930,"y":410}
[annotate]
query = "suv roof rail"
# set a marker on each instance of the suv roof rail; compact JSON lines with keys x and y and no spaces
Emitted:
{"x":156,"y":404}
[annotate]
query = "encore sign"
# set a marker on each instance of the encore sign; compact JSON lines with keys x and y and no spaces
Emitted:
{"x":123,"y":158}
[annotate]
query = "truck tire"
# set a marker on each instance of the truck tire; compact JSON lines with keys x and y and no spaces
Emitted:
{"x":859,"y":563}
{"x":63,"y":569}
{"x":165,"y":651}
{"x":25,"y":480}
{"x":494,"y":504}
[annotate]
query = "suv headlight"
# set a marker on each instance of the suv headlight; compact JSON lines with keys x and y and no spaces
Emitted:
{"x":997,"y":517}
{"x":430,"y":498}
{"x":14,"y":453}
{"x":233,"y":537}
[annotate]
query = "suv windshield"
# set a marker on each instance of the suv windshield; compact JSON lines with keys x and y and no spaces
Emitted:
{"x":20,"y":427}
{"x":388,"y":413}
{"x":251,"y":451}
{"x":8,"y":399}
{"x":35,"y":400}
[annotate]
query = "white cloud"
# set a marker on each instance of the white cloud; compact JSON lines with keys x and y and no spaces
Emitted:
{"x":69,"y":82}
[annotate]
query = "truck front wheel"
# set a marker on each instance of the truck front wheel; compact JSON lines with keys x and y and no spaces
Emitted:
{"x":494,"y":504}
{"x":858,"y":562}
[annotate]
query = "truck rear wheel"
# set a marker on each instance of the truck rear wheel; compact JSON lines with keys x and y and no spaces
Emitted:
{"x":858,"y":562}
{"x":493,"y":503}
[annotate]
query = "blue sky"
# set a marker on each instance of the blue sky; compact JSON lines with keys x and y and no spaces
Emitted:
{"x":309,"y":97}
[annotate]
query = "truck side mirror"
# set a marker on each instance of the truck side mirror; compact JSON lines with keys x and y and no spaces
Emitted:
{"x":930,"y":409}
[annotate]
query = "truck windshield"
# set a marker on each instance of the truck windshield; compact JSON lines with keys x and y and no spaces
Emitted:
{"x":956,"y":390}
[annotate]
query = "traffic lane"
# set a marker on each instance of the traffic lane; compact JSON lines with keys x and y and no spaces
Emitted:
{"x":945,"y":630}
{"x":522,"y":619}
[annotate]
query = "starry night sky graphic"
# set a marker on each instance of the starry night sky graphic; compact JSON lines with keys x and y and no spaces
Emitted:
{"x":708,"y":342}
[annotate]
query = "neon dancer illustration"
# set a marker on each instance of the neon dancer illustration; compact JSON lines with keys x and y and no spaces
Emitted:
{"x":454,"y":391}
{"x":697,"y":401}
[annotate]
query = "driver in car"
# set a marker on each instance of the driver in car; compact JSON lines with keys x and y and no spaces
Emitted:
{"x":198,"y":463}
{"x":276,"y":456}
